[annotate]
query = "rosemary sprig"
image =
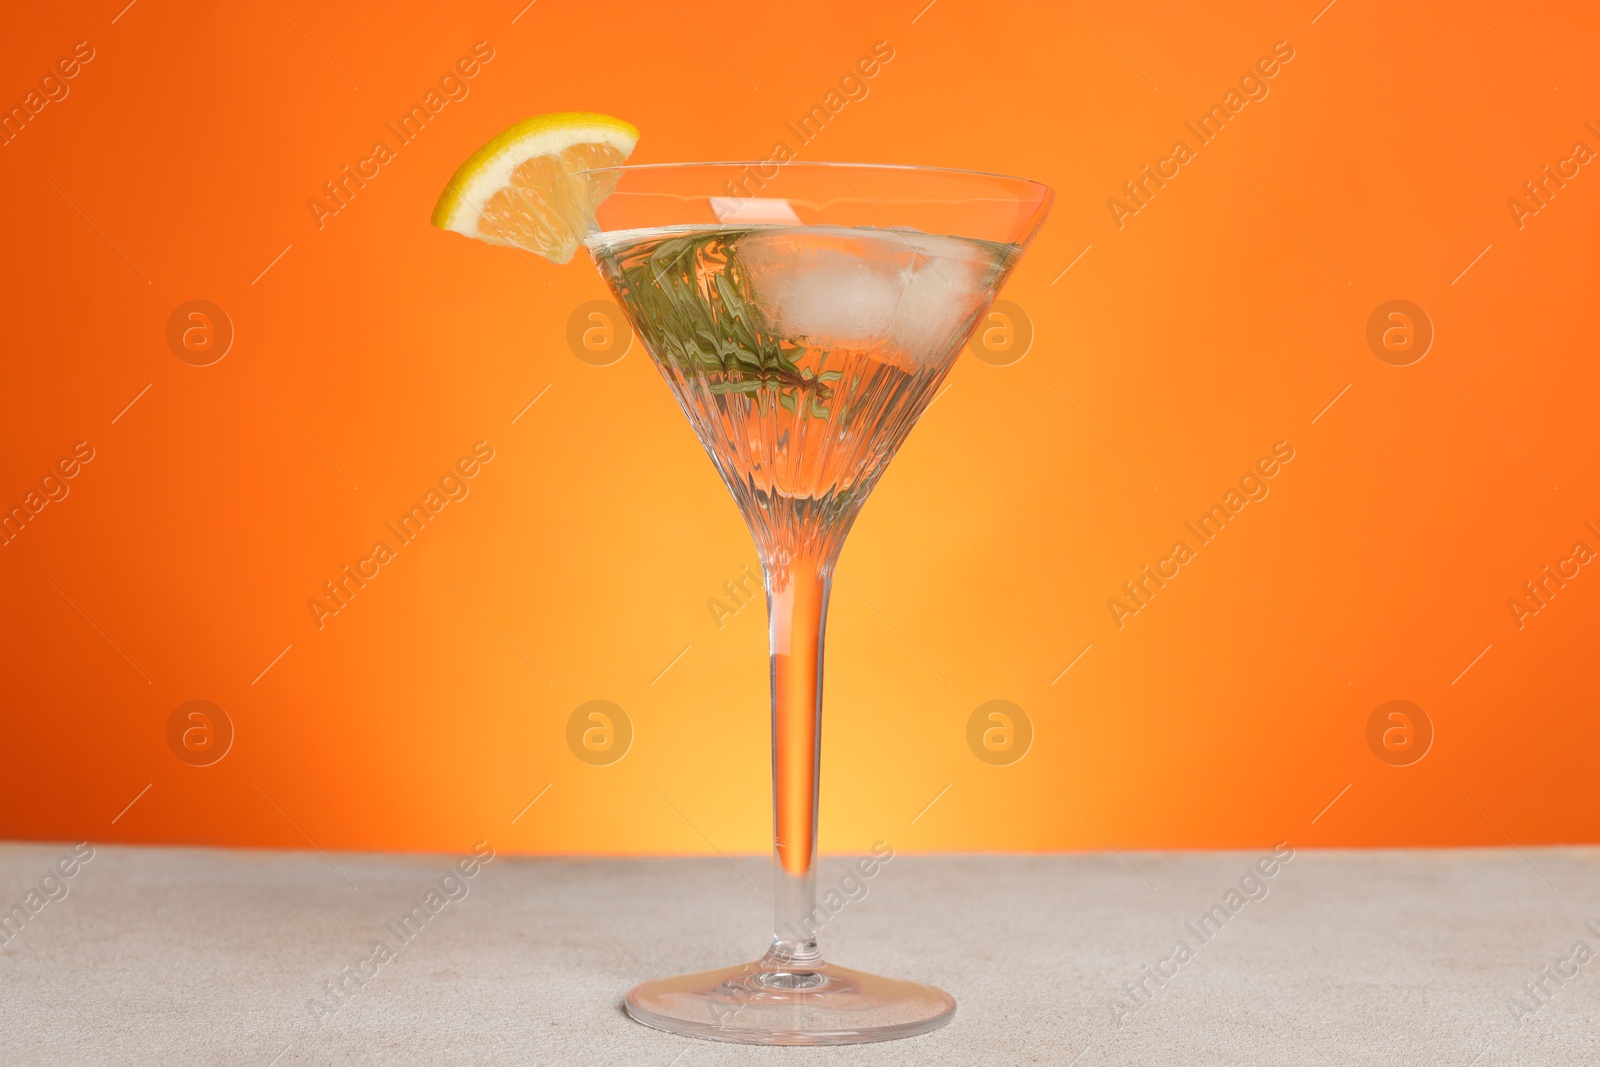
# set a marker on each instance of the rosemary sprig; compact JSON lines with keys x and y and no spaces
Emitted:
{"x":691,"y":298}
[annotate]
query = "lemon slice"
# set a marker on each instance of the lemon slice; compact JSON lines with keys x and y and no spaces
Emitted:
{"x":525,"y":187}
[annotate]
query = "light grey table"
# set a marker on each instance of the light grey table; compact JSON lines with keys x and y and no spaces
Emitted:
{"x":202,"y":956}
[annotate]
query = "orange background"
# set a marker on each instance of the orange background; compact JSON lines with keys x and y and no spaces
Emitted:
{"x":1220,"y":319}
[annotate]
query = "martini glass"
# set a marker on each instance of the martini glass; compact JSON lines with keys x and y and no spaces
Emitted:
{"x":803,"y":314}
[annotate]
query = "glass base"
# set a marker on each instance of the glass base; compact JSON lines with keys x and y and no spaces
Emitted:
{"x":769,"y":1002}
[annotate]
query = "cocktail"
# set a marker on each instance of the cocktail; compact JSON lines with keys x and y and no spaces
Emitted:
{"x":803,"y":316}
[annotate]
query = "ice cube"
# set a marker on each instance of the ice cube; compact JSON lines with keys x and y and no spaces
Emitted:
{"x":949,"y":278}
{"x":824,"y":287}
{"x":866,"y":288}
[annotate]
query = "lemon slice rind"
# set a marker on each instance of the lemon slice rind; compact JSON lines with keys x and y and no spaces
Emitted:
{"x":489,"y":169}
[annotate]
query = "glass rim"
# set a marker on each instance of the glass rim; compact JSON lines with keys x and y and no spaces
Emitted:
{"x":821,"y":165}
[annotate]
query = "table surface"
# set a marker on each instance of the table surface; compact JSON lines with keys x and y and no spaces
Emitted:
{"x":161,"y":955}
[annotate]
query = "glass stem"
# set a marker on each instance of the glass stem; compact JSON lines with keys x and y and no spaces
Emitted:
{"x":797,"y":609}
